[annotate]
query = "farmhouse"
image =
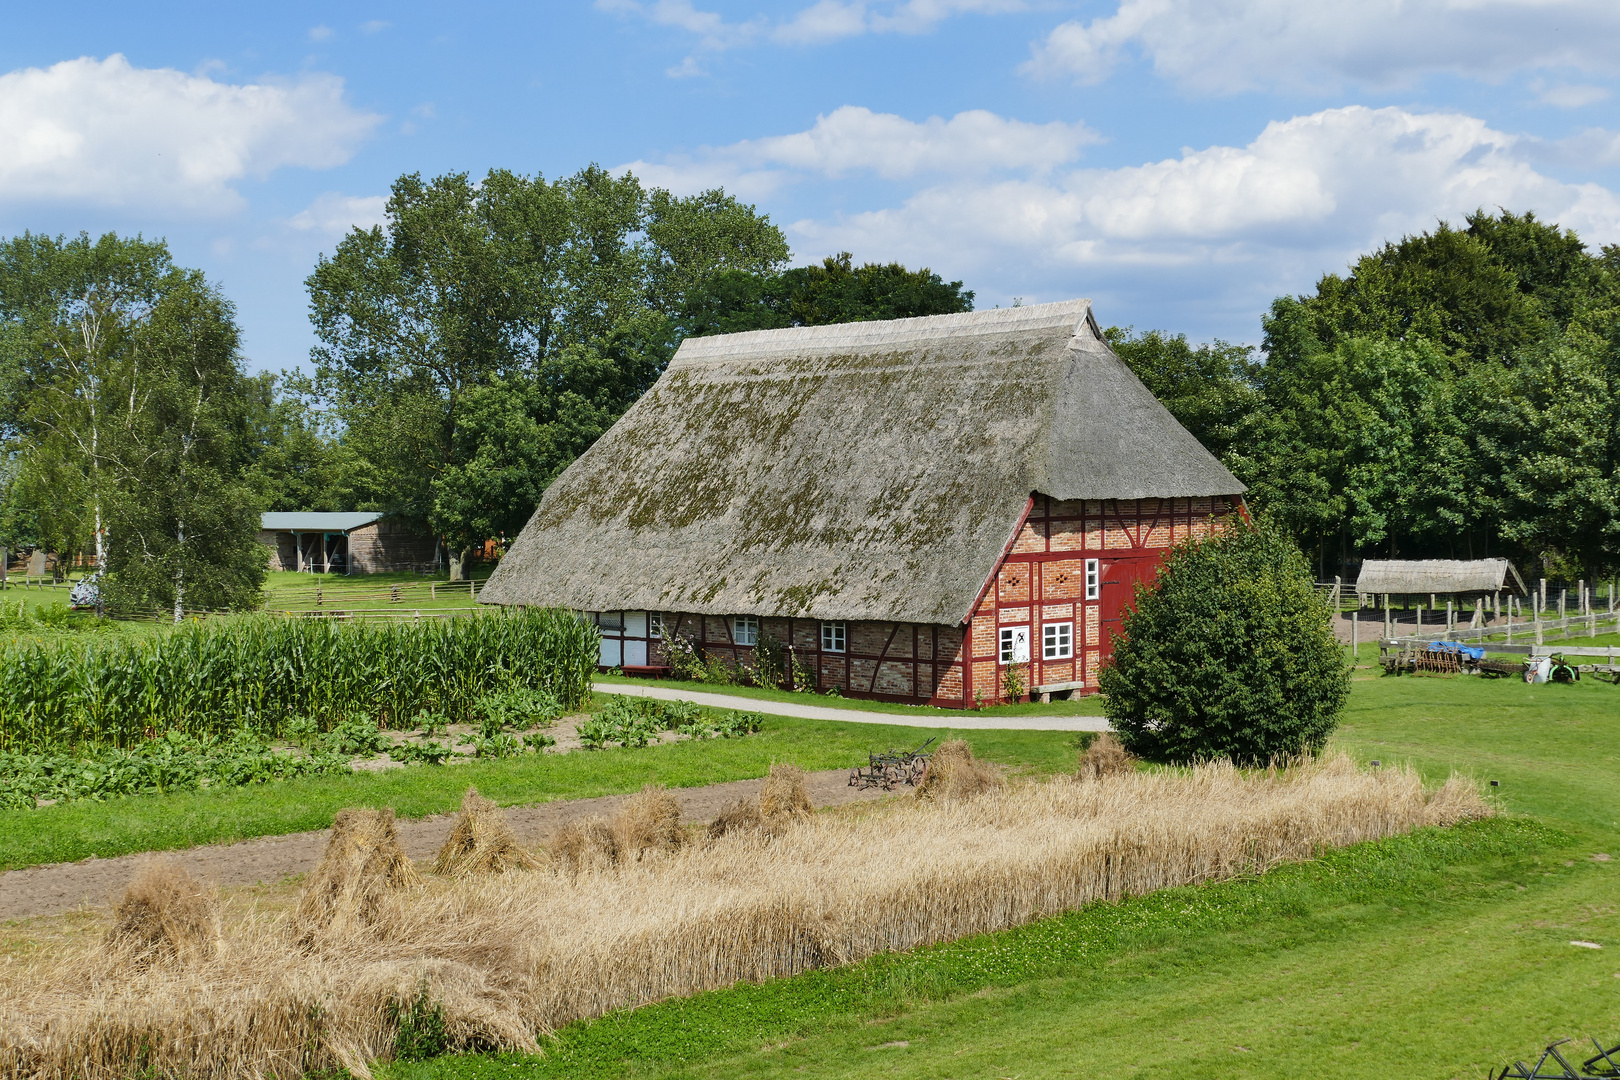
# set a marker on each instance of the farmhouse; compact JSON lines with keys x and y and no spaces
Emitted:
{"x":345,"y":543}
{"x":913,"y":505}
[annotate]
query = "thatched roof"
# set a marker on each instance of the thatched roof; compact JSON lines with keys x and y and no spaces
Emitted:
{"x":1415,"y":576}
{"x":858,"y":471}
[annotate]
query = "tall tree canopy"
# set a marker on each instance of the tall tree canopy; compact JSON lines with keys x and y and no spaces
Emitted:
{"x":1453,"y":395}
{"x":536,"y":309}
{"x":127,"y":413}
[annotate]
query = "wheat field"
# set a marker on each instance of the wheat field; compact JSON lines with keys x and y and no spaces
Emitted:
{"x":514,"y":955}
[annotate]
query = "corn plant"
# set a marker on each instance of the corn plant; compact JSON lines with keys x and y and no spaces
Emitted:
{"x":266,"y":671}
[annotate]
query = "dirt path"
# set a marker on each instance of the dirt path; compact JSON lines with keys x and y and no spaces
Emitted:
{"x":60,"y":887}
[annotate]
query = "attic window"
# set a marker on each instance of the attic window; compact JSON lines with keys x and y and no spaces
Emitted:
{"x":1093,"y":578}
{"x":745,"y":630}
{"x":832,"y":637}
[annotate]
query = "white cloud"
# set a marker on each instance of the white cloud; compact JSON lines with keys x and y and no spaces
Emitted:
{"x":106,"y":133}
{"x":1243,"y":223}
{"x":822,"y":22}
{"x":1225,"y":46}
{"x":1564,"y":96}
{"x":333,"y":214}
{"x":853,"y":139}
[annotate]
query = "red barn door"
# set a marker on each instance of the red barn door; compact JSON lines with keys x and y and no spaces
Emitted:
{"x":1118,"y":593}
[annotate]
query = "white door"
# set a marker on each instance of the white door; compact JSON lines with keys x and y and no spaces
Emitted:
{"x":610,"y":652}
{"x":635,"y":653}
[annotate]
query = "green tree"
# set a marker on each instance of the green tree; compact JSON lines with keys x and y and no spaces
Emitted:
{"x":1229,"y":655}
{"x":1211,"y":389}
{"x":836,"y":291}
{"x":562,"y":292}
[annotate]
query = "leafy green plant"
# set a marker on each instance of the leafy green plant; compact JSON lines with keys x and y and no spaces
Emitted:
{"x":201,"y":676}
{"x":1012,"y":682}
{"x":770,"y":667}
{"x":1229,"y":655}
{"x":684,"y":660}
{"x":303,"y":730}
{"x":715,"y":671}
{"x":433,"y":725}
{"x":521,"y":707}
{"x":419,"y":1028}
{"x":422,"y":753}
{"x":355,"y":735}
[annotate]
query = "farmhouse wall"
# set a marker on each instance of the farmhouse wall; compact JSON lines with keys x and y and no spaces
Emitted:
{"x":1040,"y":586}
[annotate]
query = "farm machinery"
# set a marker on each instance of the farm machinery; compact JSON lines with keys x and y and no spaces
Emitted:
{"x":891,"y":769}
{"x":1603,"y":1065}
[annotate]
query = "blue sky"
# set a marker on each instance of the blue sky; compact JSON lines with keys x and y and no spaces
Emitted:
{"x":1179,"y":161}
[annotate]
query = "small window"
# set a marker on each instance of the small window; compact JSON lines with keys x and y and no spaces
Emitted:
{"x":611,"y":620}
{"x":832,"y":637}
{"x":1014,"y":644}
{"x":1057,"y":641}
{"x":1093,"y":578}
{"x":745,"y":630}
{"x":655,"y":624}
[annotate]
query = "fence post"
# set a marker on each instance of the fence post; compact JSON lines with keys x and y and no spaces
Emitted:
{"x":1355,"y":636}
{"x":1580,"y":597}
{"x":1420,"y":620}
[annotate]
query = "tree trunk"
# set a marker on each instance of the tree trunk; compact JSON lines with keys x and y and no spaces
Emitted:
{"x":180,"y":576}
{"x":458,"y":562}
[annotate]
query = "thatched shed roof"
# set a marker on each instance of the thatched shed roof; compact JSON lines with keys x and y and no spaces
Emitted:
{"x":1416,"y":576}
{"x":859,"y":471}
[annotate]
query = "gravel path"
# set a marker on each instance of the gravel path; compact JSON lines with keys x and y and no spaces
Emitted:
{"x":59,"y":887}
{"x":860,"y":716}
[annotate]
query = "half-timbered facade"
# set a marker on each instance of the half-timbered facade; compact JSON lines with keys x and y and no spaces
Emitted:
{"x":914,"y":507}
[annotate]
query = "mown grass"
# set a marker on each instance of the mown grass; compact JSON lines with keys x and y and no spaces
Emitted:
{"x":1445,"y":953}
{"x":1088,"y":706}
{"x":77,"y":830}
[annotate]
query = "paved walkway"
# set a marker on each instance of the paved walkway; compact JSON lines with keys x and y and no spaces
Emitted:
{"x":861,"y":716}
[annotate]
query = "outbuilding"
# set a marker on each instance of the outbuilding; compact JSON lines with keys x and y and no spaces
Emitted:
{"x":916,"y":507}
{"x":1438,"y":578}
{"x":363,"y":542}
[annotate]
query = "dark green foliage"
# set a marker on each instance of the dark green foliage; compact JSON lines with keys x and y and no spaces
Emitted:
{"x":1211,"y":389}
{"x":419,"y":1028}
{"x":1228,"y":656}
{"x":169,"y":763}
{"x":484,"y":337}
{"x":836,"y":291}
{"x":268,"y":671}
{"x":636,"y":721}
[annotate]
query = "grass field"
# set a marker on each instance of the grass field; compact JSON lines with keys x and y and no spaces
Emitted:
{"x":77,"y":830}
{"x":1438,"y":955}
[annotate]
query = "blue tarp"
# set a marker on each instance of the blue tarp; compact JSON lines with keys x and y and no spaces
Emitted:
{"x":1452,"y":647}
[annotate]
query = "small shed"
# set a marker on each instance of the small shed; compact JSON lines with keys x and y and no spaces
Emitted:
{"x":359,"y":542}
{"x":1439,"y":577}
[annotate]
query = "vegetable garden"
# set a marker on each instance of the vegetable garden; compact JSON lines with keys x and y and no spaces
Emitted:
{"x":263,"y":673}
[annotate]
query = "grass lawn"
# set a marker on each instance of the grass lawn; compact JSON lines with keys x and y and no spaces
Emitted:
{"x":77,"y":830}
{"x":1442,"y":954}
{"x":1090,"y":706}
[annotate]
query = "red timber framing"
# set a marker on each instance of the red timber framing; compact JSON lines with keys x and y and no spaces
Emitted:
{"x":1040,"y":585}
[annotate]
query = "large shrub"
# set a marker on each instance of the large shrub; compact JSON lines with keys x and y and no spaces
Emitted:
{"x":1229,"y":655}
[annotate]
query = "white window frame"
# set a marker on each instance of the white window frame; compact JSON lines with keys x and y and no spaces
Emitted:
{"x":834,"y":637}
{"x":655,"y":625}
{"x":745,"y":630}
{"x":1008,"y":636}
{"x":1093,"y":578}
{"x":1057,"y":641}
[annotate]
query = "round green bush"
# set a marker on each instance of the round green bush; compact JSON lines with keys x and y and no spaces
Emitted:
{"x":1229,"y":655}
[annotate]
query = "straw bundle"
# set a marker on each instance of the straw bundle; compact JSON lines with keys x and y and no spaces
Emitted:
{"x":954,"y":773}
{"x":649,"y":821}
{"x":1105,"y":757}
{"x":505,"y":955}
{"x":482,"y":842}
{"x":362,"y":864}
{"x":783,"y":800}
{"x":164,"y":914}
{"x":736,"y":816}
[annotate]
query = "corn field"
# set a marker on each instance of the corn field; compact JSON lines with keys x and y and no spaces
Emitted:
{"x":505,"y":957}
{"x":261,"y":671}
